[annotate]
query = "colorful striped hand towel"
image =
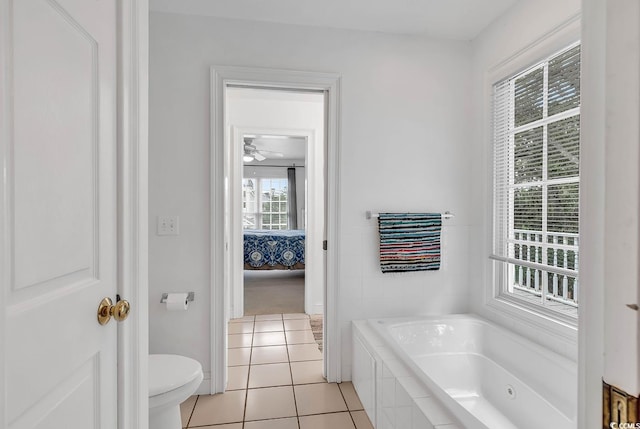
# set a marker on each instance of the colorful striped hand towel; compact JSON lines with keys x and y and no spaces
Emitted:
{"x":409,"y":241}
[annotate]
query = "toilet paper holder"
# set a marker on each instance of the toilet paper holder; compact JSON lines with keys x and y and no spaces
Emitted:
{"x":190,"y":297}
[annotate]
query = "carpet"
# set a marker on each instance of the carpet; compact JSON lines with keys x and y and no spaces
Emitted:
{"x":273,"y":292}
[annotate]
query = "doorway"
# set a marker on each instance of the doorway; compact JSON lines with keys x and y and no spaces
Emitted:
{"x":227,"y":254}
{"x":277,"y":198}
{"x":276,"y":217}
{"x":274,"y":226}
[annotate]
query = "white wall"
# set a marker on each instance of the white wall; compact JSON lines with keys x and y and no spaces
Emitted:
{"x":405,"y":146}
{"x":511,"y":34}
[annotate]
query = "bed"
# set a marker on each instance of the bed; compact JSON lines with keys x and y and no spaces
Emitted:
{"x":274,"y":249}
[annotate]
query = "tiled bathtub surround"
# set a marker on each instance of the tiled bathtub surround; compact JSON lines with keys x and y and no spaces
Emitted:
{"x":395,"y":400}
{"x":275,"y":382}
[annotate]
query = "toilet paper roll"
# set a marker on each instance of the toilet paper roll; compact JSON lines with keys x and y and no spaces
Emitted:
{"x":177,"y":302}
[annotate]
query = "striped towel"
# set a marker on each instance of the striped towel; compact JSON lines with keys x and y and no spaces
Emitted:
{"x":409,"y":241}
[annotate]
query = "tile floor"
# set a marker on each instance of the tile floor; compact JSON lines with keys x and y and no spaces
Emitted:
{"x":275,"y":382}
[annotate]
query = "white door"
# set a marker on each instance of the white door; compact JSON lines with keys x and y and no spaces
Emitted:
{"x":59,"y":212}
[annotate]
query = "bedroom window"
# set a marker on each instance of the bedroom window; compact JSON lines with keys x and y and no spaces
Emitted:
{"x":536,"y":133}
{"x":264,"y":203}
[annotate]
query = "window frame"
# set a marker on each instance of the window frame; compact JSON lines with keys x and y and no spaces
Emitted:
{"x":502,"y":305}
{"x":542,"y":238}
{"x":259,"y":214}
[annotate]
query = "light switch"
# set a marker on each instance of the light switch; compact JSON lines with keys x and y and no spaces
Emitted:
{"x":168,"y":225}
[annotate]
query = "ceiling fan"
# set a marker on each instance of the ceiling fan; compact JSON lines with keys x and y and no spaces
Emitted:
{"x":251,"y":152}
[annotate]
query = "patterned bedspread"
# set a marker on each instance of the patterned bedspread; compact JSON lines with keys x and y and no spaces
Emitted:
{"x":273,"y":249}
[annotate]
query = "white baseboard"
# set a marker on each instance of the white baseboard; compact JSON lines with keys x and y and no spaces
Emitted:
{"x":205,"y":386}
{"x":317,"y":309}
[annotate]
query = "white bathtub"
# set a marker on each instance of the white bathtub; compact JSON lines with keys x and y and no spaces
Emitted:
{"x":485,"y":376}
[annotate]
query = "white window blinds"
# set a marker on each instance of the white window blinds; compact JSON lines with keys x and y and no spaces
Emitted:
{"x":536,"y":127}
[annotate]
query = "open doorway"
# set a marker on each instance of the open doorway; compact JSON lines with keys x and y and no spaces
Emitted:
{"x":276,"y":221}
{"x":277,"y":200}
{"x":227,"y":149}
{"x":274,"y":224}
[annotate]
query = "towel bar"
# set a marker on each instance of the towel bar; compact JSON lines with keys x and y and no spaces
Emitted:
{"x":445,"y":215}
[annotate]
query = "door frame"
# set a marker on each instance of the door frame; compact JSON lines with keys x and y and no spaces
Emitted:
{"x":133,"y":218}
{"x":235,"y":169}
{"x":4,"y":197}
{"x":132,"y":146}
{"x":221,"y":76}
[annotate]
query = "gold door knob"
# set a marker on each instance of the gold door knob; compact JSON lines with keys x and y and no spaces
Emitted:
{"x":106,"y":310}
{"x":120,"y":311}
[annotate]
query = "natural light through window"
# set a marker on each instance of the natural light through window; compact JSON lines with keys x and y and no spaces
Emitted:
{"x":264,"y":203}
{"x":537,"y":182}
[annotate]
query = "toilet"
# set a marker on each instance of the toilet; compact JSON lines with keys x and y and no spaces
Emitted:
{"x":172,"y":379}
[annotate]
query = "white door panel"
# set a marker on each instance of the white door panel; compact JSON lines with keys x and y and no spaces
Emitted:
{"x":55,"y":144}
{"x":50,"y":412}
{"x":60,"y":208}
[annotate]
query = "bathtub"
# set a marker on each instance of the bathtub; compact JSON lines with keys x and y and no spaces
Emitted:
{"x":481,"y":375}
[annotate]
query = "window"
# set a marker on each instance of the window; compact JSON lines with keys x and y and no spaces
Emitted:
{"x":536,"y":132}
{"x":264,"y":203}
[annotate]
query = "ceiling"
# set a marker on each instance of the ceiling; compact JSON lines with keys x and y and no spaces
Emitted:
{"x":292,"y":148}
{"x":452,"y":19}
